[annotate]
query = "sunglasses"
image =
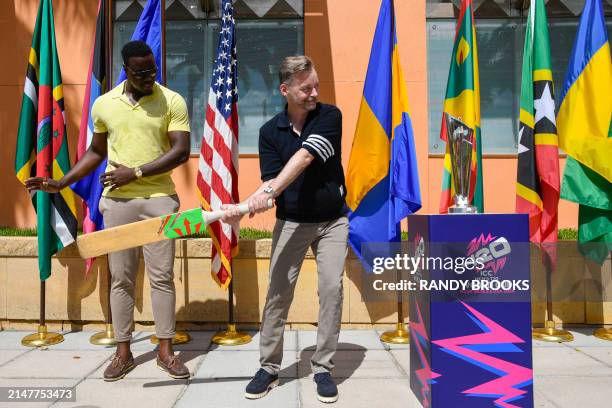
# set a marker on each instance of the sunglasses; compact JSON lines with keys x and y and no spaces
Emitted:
{"x":142,"y":74}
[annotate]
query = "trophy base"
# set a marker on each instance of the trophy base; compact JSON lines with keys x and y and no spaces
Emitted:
{"x":462,"y":210}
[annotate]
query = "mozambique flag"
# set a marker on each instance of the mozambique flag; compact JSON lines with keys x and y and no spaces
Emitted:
{"x":42,"y":147}
{"x":89,"y":187}
{"x":382,"y":177}
{"x":537,"y":184}
{"x":585,"y":132}
{"x":463,"y":101}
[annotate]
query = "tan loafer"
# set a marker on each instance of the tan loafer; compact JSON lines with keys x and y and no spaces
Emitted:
{"x":118,"y":368}
{"x":174,"y":367}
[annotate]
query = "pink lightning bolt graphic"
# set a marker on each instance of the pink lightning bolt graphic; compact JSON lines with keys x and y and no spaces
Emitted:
{"x":425,"y":375}
{"x":512,"y":376}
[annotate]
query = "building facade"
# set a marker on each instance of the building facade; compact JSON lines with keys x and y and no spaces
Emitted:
{"x":337,"y":34}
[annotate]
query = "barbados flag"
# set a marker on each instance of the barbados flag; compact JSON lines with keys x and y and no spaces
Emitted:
{"x":584,"y":129}
{"x":463,"y":101}
{"x":382,"y":177}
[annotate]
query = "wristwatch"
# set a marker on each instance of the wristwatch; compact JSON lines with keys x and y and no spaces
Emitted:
{"x":138,"y":172}
{"x":269,"y":190}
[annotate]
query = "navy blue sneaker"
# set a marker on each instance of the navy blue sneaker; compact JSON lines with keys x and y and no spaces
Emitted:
{"x":261,"y":384}
{"x":326,"y":388}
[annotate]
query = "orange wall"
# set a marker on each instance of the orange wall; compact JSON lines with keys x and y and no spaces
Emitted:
{"x":338,"y":42}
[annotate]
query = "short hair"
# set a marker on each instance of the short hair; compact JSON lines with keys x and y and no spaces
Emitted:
{"x":291,"y":66}
{"x":135,"y":49}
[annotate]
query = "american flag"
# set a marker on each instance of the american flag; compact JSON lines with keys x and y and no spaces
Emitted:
{"x":217,"y":179}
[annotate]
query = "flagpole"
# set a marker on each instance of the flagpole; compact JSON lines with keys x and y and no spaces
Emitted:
{"x":106,"y":337}
{"x":231,"y":337}
{"x":42,"y":337}
{"x":603,"y":332}
{"x":180,"y":337}
{"x":400,"y":335}
{"x":549,"y":332}
{"x":163,"y":40}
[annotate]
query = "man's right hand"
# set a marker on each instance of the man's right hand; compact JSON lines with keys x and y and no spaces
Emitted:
{"x":45,"y":184}
{"x":232,"y":214}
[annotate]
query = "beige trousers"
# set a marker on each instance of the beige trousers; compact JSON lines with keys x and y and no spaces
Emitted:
{"x":159,"y":262}
{"x":290,"y":241}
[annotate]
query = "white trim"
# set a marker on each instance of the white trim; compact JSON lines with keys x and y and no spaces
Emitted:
{"x":322,"y":155}
{"x":324,"y":141}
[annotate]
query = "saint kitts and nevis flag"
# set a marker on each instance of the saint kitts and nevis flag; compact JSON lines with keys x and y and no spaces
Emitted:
{"x":537,"y":185}
{"x":42,"y":147}
{"x":382,"y":177}
{"x":585,"y":134}
{"x":89,"y":188}
{"x":462,"y":101}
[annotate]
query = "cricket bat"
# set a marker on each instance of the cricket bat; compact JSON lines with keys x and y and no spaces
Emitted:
{"x":139,"y":233}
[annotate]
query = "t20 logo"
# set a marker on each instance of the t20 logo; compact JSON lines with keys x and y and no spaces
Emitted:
{"x":492,"y":252}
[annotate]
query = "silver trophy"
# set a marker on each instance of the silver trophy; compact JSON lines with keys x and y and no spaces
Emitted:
{"x":460,"y":139}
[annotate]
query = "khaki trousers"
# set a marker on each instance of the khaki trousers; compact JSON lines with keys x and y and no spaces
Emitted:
{"x":290,"y":241}
{"x":159,"y":262}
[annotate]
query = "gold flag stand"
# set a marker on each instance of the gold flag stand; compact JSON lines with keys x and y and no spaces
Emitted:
{"x":180,"y":337}
{"x":549,"y":332}
{"x":400,"y":335}
{"x":107,"y":336}
{"x":231,"y":337}
{"x":42,"y":338}
{"x":603,"y":333}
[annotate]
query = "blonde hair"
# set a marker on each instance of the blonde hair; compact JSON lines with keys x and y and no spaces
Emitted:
{"x":290,"y":66}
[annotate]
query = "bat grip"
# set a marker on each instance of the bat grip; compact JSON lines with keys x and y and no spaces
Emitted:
{"x":244,"y":207}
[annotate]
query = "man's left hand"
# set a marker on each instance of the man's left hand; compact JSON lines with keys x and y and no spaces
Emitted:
{"x":121,"y":176}
{"x":258,"y":203}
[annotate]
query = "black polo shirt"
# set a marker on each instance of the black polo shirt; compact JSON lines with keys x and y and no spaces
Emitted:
{"x":316,"y":195}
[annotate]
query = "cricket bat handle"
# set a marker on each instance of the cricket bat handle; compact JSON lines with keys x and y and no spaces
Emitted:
{"x":213,"y":216}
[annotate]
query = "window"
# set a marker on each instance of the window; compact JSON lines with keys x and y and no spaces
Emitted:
{"x":265,"y":33}
{"x":500,"y":27}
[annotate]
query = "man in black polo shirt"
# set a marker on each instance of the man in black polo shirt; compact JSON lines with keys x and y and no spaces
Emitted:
{"x":301,"y":168}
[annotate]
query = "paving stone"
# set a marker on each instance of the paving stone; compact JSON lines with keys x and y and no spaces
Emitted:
{"x":55,"y":364}
{"x":392,"y":346}
{"x":8,"y":355}
{"x":364,"y":393}
{"x":566,"y":361}
{"x":229,"y":393}
{"x":80,"y":341}
{"x":355,"y":364}
{"x":236,"y":363}
{"x":349,"y":340}
{"x":125,"y":393}
{"x":289,"y":343}
{"x":576,"y":391}
{"x":403,"y":359}
{"x":583,"y":337}
{"x":11,"y":339}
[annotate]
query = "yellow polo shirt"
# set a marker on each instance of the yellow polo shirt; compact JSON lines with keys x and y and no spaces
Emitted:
{"x":138,"y":134}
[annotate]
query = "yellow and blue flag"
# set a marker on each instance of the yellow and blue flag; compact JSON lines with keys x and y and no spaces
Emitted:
{"x":382,"y":177}
{"x":585,"y":132}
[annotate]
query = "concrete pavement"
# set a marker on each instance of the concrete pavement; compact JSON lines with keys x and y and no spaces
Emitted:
{"x":369,"y":373}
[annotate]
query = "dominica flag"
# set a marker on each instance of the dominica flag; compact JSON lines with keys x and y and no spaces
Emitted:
{"x":537,"y":184}
{"x":42,"y":147}
{"x":463,"y":101}
{"x":585,"y":132}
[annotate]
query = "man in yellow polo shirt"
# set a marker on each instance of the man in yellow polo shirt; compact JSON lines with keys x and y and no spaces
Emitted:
{"x":143,"y":127}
